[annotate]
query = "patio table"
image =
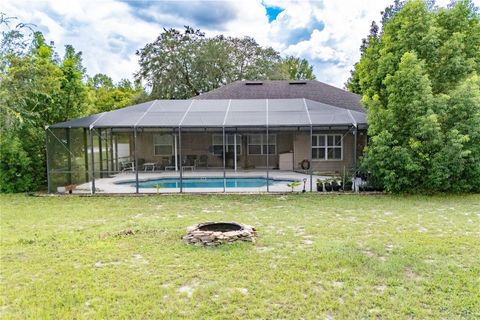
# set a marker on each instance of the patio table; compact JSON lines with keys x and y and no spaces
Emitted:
{"x":148,"y":165}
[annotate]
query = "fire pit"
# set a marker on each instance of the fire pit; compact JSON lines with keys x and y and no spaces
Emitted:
{"x":215,"y":233}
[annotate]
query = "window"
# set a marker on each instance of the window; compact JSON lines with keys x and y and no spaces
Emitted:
{"x":163,"y":145}
{"x":229,"y":145}
{"x":258,"y":144}
{"x":327,"y":147}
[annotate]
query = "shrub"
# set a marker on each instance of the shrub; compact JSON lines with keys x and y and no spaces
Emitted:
{"x":15,"y":166}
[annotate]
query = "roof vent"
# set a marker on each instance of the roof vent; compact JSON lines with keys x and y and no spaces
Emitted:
{"x":297,"y":82}
{"x":257,"y":83}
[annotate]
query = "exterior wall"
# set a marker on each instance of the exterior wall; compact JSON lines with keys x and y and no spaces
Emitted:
{"x":302,"y":151}
{"x":192,"y":144}
{"x":287,"y":141}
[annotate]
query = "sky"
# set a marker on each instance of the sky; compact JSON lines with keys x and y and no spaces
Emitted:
{"x":327,"y":33}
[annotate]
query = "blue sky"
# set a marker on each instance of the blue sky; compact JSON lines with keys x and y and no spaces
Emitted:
{"x":273,"y":12}
{"x":328,"y":33}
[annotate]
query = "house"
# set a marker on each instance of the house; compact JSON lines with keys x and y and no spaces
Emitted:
{"x":274,"y":130}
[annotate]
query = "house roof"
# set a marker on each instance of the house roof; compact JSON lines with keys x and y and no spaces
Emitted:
{"x":222,"y":113}
{"x":281,"y":89}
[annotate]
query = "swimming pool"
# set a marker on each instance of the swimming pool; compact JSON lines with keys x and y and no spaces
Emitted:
{"x":252,"y":182}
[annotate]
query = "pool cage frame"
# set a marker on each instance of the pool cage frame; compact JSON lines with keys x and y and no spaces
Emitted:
{"x":92,"y":131}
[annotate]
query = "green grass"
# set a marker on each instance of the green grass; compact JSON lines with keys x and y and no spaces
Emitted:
{"x":316,"y":257}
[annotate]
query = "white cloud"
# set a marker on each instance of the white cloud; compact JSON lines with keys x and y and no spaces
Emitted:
{"x":106,"y":32}
{"x":328,"y":33}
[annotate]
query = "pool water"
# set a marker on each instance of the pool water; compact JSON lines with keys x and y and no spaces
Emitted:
{"x":210,"y":183}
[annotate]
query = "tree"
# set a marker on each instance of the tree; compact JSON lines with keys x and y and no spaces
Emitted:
{"x":372,"y":40}
{"x":104,"y":95}
{"x":181,"y":65}
{"x":71,"y":102}
{"x":291,"y":68}
{"x":38,"y":88}
{"x":167,"y":64}
{"x":419,"y":83}
{"x":13,"y":161}
{"x":406,"y":131}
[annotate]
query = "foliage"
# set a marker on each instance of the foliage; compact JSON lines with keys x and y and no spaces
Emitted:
{"x":104,"y":95}
{"x":14,"y":160}
{"x":293,"y":68}
{"x":38,"y":88}
{"x":419,"y":81}
{"x":181,"y":65}
{"x":294,"y":184}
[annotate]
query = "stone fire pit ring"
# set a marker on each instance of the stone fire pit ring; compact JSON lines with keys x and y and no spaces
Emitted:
{"x":215,"y":233}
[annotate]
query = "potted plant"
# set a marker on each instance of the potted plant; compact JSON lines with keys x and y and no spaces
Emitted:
{"x":319,"y":185}
{"x":336,"y":185}
{"x":328,"y":185}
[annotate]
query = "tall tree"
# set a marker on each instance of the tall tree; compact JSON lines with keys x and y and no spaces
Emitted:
{"x":37,"y":88}
{"x":292,"y":68}
{"x":168,"y":64}
{"x":104,"y":95}
{"x":73,"y":93}
{"x":181,"y":65}
{"x":414,"y":79}
{"x":405,"y":132}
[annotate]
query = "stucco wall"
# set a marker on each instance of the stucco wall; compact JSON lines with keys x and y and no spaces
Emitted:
{"x":302,"y":151}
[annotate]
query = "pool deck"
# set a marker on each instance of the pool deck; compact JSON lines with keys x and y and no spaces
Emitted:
{"x":115,"y":183}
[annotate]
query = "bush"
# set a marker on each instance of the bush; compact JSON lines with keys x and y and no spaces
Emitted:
{"x":15,"y":166}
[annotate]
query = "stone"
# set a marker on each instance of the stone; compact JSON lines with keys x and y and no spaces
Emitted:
{"x":198,"y":237}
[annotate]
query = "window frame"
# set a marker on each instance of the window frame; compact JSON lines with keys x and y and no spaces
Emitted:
{"x":263,"y":137}
{"x":326,"y":147}
{"x":172,"y":145}
{"x":239,"y":143}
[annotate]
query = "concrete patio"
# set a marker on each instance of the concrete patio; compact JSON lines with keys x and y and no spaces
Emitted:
{"x":118,"y":183}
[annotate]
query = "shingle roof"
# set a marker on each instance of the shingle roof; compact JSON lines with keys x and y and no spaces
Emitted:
{"x":284,"y":89}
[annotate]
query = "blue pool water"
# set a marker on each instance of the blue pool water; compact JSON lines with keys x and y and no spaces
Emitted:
{"x":210,"y":183}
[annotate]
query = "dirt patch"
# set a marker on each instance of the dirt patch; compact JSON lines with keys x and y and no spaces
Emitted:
{"x":381,"y":288}
{"x":125,"y":232}
{"x":139,"y":259}
{"x":187,"y":290}
{"x":412,"y":275}
{"x":264,"y":249}
{"x":243,"y":291}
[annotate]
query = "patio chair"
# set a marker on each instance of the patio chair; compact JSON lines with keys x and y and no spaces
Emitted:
{"x":127,"y":166}
{"x":202,"y":161}
{"x":190,"y":162}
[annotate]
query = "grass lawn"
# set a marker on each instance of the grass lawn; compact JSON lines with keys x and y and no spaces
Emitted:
{"x":316,"y":256}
